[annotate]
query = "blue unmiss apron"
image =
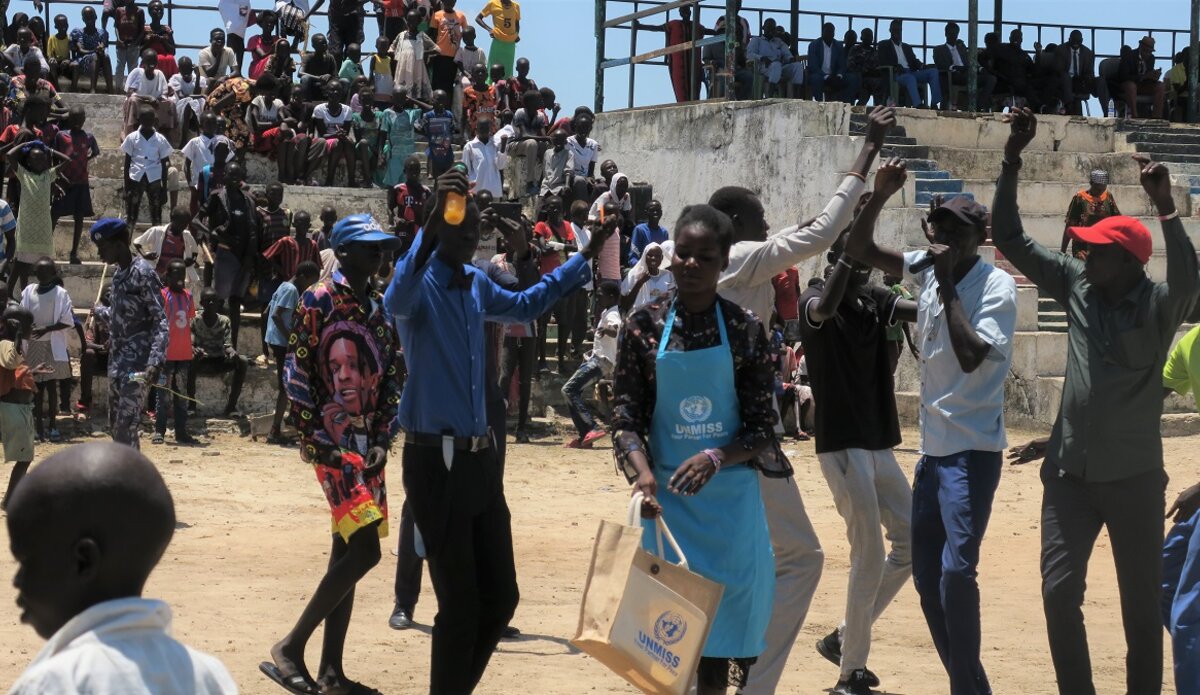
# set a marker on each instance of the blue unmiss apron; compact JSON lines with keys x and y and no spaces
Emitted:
{"x":723,"y":528}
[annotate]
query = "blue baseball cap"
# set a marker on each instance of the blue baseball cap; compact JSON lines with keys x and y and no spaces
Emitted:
{"x":361,"y":229}
{"x":107,"y":228}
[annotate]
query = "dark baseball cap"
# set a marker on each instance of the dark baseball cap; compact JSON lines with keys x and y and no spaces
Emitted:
{"x":963,"y":209}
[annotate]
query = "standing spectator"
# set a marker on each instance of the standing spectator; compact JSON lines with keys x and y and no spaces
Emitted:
{"x":382,"y":72}
{"x":845,"y":345}
{"x":406,"y":203}
{"x":448,"y":24}
{"x":469,"y":55}
{"x":909,"y":71}
{"x":1088,"y":207}
{"x":187,"y":89}
{"x":1138,"y":77}
{"x":827,"y":68}
{"x":899,"y":334}
{"x":131,"y":29}
{"x":617,"y":198}
{"x":137,"y":330}
{"x":147,"y":155}
{"x":213,"y":351}
{"x":147,"y":87}
{"x":598,"y":364}
{"x":76,"y":201}
{"x":366,"y":127}
{"x":584,"y":153}
{"x":479,"y":99}
{"x":200,"y":153}
{"x":483,"y":159}
{"x":1104,"y":462}
{"x":160,"y":38}
{"x":231,"y":219}
{"x":216,"y":60}
{"x":787,"y":304}
{"x":35,"y":226}
{"x":952,"y":58}
{"x":288,"y":252}
{"x":1079,"y":79}
{"x":966,"y":318}
{"x":505,"y":31}
{"x":19,"y":387}
{"x":180,"y":311}
{"x":281,"y":315}
{"x":236,"y":15}
{"x":681,"y":64}
{"x":648,"y":232}
{"x":754,"y":261}
{"x":345,"y":25}
{"x":556,"y":243}
{"x":518,"y":352}
{"x":438,"y":125}
{"x":648,"y":282}
{"x":53,"y":316}
{"x":93,"y":358}
{"x":412,"y":51}
{"x":397,"y":132}
{"x":164,"y":244}
{"x":556,"y":166}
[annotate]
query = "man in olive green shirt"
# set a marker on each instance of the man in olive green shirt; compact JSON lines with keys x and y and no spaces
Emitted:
{"x":1104,"y":464}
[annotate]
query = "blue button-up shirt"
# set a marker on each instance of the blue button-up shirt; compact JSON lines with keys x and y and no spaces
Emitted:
{"x":441,"y":328}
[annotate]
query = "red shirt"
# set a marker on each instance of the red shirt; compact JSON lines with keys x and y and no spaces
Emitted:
{"x":787,"y":294}
{"x":78,"y":147}
{"x":289,"y":254}
{"x":553,"y":259}
{"x":129,"y":22}
{"x":180,"y":312}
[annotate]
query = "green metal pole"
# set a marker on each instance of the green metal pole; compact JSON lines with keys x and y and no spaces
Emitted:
{"x":998,"y":19}
{"x":731,"y":36}
{"x":795,"y":26}
{"x":600,"y":19}
{"x":1193,"y":66}
{"x":973,"y":55}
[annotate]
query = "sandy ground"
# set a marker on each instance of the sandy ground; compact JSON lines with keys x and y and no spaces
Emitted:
{"x":253,"y":540}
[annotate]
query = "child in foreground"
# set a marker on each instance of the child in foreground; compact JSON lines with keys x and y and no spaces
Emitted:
{"x":16,"y":395}
{"x":87,"y":526}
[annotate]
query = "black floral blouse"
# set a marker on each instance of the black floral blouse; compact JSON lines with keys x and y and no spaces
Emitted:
{"x":634,"y":383}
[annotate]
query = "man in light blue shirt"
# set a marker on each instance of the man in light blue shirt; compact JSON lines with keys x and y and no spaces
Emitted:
{"x":452,"y":479}
{"x":966,"y":318}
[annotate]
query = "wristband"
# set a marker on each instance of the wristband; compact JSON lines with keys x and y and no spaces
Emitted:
{"x":842,"y":261}
{"x":857,"y":175}
{"x":1172,"y":216}
{"x":714,"y":455}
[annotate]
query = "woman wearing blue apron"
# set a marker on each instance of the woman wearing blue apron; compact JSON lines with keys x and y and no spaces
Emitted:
{"x":693,"y":385}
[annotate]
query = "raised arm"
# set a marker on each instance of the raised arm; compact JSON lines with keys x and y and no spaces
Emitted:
{"x":1182,"y":282}
{"x":860,"y":244}
{"x":1052,"y":272}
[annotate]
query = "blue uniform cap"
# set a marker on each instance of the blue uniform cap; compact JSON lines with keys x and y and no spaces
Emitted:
{"x":361,"y":229}
{"x":107,"y":228}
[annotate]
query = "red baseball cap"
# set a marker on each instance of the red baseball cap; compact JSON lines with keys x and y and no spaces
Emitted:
{"x":1130,"y":234}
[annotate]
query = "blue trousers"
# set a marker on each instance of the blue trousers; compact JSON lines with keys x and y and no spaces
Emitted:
{"x":581,"y":414}
{"x":952,"y":502}
{"x":1181,"y":602}
{"x":925,"y":76}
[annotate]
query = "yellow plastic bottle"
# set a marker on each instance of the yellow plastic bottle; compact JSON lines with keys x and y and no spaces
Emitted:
{"x":456,"y":203}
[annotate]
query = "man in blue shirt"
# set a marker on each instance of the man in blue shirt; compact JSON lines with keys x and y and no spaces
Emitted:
{"x":648,"y":231}
{"x":452,"y":479}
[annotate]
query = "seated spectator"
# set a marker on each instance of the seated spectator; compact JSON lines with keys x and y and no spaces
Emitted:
{"x":484,"y":161}
{"x":213,"y":351}
{"x":217,"y":60}
{"x":38,"y":26}
{"x":909,"y":72}
{"x":1178,"y":86}
{"x":1079,"y":78}
{"x":1012,"y":67}
{"x":479,"y":99}
{"x":89,"y":45}
{"x":229,"y":100}
{"x":863,"y":62}
{"x":774,"y":60}
{"x":102,"y":635}
{"x":264,"y":117}
{"x":14,"y":56}
{"x":556,"y":167}
{"x":331,"y":124}
{"x":647,"y":232}
{"x":351,"y":67}
{"x":1046,"y":80}
{"x":1138,"y":77}
{"x":952,"y":59}
{"x":160,"y":38}
{"x":146,"y":87}
{"x":58,"y":51}
{"x":528,"y":145}
{"x":262,"y":47}
{"x":649,"y":282}
{"x":186,"y":90}
{"x":317,"y":69}
{"x":714,"y":55}
{"x":827,"y":68}
{"x":22,"y":86}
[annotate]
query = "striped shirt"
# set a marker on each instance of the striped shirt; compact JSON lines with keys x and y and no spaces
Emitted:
{"x":273,"y":225}
{"x":290,"y":253}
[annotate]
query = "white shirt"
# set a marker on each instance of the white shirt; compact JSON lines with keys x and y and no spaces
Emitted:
{"x":954,"y":56}
{"x":1073,"y":69}
{"x":752,"y":264}
{"x":151,"y":241}
{"x":582,"y":237}
{"x":507,"y":131}
{"x":332,"y":123}
{"x":146,"y":155}
{"x":827,"y":63}
{"x":14,"y":54}
{"x":264,"y":112}
{"x":122,"y":646}
{"x":226,"y":64}
{"x":604,"y":349}
{"x":199,"y":151}
{"x":583,"y":155}
{"x":901,"y":56}
{"x":154,"y":88}
{"x":48,"y":309}
{"x":656,"y":288}
{"x":484,"y":162}
{"x":762,"y":48}
{"x":235,"y":14}
{"x":188,"y":90}
{"x":960,"y":411}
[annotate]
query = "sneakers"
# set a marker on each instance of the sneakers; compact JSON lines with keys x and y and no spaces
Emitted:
{"x":856,"y":684}
{"x":830,"y":647}
{"x":591,"y":437}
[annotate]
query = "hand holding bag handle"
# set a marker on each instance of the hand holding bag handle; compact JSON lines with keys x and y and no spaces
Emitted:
{"x":661,"y":529}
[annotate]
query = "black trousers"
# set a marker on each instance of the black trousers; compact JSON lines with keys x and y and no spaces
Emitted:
{"x":409,"y":565}
{"x":465,"y":522}
{"x":1073,"y":513}
{"x":442,"y":70}
{"x":518,"y":354}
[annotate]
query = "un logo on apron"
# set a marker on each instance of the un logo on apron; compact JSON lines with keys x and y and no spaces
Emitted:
{"x":695,"y":409}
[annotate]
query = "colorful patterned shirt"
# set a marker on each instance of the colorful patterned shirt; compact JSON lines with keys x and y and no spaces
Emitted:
{"x":340,"y":373}
{"x":138,"y":327}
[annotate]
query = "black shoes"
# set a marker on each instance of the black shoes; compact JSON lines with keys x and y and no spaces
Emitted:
{"x":830,"y":647}
{"x":510,"y":632}
{"x":401,"y":619}
{"x":856,"y":684}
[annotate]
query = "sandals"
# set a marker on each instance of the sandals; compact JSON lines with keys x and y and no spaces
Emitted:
{"x":297,"y":683}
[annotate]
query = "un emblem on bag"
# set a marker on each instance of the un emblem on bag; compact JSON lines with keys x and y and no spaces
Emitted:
{"x":695,"y":409}
{"x":670,"y":628}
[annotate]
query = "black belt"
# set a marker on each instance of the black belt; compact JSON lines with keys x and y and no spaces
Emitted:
{"x":469,"y":444}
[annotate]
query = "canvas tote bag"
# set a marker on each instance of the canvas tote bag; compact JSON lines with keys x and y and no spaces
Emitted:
{"x":644,"y":618}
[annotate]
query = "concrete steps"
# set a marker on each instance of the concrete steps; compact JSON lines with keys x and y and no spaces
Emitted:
{"x":1050,"y":197}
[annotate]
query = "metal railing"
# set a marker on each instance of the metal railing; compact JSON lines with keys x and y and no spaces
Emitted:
{"x":1106,"y":41}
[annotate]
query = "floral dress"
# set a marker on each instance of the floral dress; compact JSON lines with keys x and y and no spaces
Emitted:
{"x":234,"y":112}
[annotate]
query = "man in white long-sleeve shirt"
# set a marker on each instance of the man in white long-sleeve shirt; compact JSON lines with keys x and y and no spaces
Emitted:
{"x":753,"y":261}
{"x":484,"y":160}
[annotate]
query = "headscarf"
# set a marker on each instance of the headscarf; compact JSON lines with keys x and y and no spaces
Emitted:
{"x":1100,"y":177}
